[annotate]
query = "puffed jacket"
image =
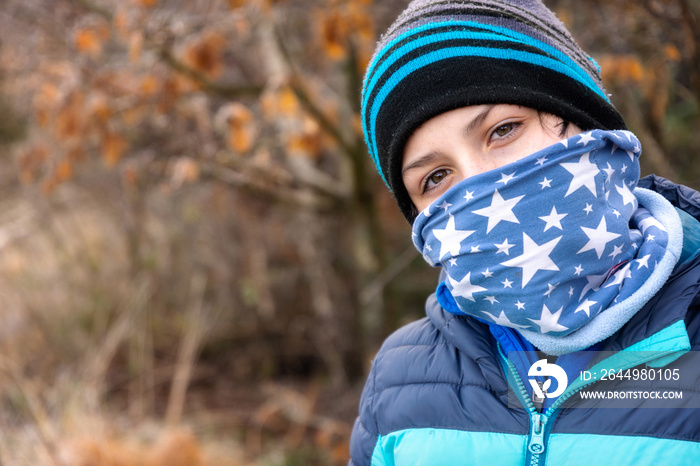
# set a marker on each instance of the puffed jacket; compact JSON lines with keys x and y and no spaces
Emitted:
{"x":441,"y":390}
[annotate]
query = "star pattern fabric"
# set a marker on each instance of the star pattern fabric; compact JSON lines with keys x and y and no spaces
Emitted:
{"x":548,"y":242}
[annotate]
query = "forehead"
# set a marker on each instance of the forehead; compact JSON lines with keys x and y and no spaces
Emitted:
{"x":464,"y":120}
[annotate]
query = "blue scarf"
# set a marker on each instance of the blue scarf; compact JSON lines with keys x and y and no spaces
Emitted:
{"x":555,"y":245}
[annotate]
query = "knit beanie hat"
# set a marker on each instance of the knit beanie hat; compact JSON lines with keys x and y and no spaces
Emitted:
{"x":440,"y":55}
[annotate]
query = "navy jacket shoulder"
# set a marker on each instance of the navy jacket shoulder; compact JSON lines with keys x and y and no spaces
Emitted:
{"x":444,"y":371}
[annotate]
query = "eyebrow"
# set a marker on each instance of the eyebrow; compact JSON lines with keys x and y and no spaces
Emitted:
{"x":421,"y":161}
{"x":478,"y":120}
{"x":427,"y":158}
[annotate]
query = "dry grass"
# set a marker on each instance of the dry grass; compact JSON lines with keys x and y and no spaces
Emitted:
{"x":80,"y":381}
{"x":172,"y":448}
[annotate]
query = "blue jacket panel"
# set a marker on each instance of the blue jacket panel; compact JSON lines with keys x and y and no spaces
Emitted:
{"x":438,"y":387}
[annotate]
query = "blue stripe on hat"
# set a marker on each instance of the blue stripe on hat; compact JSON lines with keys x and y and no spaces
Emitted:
{"x":501,"y":35}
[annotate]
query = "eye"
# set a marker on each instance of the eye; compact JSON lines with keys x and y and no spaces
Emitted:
{"x":503,"y":130}
{"x":434,"y":179}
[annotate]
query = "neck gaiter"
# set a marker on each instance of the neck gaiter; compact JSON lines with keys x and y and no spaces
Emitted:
{"x":545,"y":244}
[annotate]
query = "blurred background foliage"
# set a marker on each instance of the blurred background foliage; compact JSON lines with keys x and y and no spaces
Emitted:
{"x":197,"y":257}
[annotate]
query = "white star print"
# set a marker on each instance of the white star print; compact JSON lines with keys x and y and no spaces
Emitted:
{"x":585,"y":307}
{"x":608,"y":172}
{"x":620,"y":275}
{"x":504,"y":247}
{"x":499,"y":210}
{"x":487,"y":274}
{"x":598,"y":238}
{"x":474,"y":250}
{"x":588,"y":209}
{"x":506,"y":178}
{"x":469,"y":196}
{"x":584,"y":174}
{"x":585,"y":139}
{"x":464,"y":288}
{"x":534,"y":257}
{"x":450,"y":238}
{"x":503,"y":320}
{"x":491,"y":299}
{"x":546,"y":183}
{"x":445,"y":205}
{"x":643,"y":262}
{"x":553,"y":219}
{"x":594,"y":282}
{"x":549,"y":322}
{"x":578,"y":269}
{"x":551,"y":288}
{"x":616,"y":251}
{"x":571,"y":291}
{"x":627,"y":196}
{"x":453,"y":262}
{"x":542,"y":160}
{"x":507,"y":283}
{"x":519,"y":305}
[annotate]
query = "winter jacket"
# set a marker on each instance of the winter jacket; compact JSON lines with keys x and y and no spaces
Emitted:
{"x":438,"y":393}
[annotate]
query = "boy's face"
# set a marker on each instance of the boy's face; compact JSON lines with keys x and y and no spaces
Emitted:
{"x":467,"y":141}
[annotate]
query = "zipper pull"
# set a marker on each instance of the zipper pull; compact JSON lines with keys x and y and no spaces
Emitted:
{"x":536,"y":445}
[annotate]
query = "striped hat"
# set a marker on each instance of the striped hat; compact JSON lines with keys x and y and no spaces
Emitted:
{"x":440,"y":55}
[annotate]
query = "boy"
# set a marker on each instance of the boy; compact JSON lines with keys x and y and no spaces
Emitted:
{"x":560,"y":267}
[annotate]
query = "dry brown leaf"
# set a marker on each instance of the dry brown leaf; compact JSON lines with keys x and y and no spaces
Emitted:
{"x":69,"y":121}
{"x":307,"y":142}
{"x":622,"y":69}
{"x":205,"y":54}
{"x":672,"y":53}
{"x":135,"y":46}
{"x":90,"y":39}
{"x":130,"y":176}
{"x":48,"y":186}
{"x":281,"y":101}
{"x":86,"y":41}
{"x":64,"y":170}
{"x":149,"y":85}
{"x":113,"y":148}
{"x":233,"y":4}
{"x":132,"y":116}
{"x":121,"y":22}
{"x":98,"y":108}
{"x":287,"y":103}
{"x":241,"y":127}
{"x":185,"y":170}
{"x":360,"y":20}
{"x":146,"y":3}
{"x":176,"y":448}
{"x":334,"y":30}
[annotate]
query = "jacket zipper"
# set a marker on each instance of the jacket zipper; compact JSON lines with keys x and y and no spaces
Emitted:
{"x":538,"y":421}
